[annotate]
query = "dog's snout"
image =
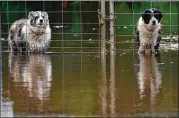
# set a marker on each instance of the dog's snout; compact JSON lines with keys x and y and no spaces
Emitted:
{"x":41,"y":20}
{"x":154,"y":22}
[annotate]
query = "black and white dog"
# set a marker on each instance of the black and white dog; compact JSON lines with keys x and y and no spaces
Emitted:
{"x":148,"y":30}
{"x":32,"y":34}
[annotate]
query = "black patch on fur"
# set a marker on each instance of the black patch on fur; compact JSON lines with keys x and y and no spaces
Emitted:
{"x":158,"y":14}
{"x":11,"y":31}
{"x":20,"y":29}
{"x":146,"y":16}
{"x":36,"y":18}
{"x":158,"y":42}
{"x":19,"y":32}
{"x":15,"y":46}
{"x":11,"y":36}
{"x":137,"y":36}
{"x":22,"y":44}
{"x":31,"y":22}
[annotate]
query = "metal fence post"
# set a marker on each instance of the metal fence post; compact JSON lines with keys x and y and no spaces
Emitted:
{"x":0,"y":51}
{"x":112,"y":59}
{"x":112,"y":41}
{"x":0,"y":59}
{"x":103,"y":28}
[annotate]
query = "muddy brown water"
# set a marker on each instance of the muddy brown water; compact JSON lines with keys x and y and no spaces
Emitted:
{"x":90,"y":84}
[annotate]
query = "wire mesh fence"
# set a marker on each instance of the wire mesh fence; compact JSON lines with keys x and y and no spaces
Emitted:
{"x":72,"y":28}
{"x":126,"y":21}
{"x":76,"y":28}
{"x":75,"y":24}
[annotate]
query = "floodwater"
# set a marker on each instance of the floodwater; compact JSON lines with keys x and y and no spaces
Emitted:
{"x":90,"y":84}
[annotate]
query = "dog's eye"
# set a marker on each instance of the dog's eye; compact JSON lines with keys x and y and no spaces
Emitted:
{"x":36,"y":17}
{"x":156,"y":15}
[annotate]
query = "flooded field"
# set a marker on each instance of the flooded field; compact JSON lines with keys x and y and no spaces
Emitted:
{"x":90,"y":84}
{"x":77,"y":80}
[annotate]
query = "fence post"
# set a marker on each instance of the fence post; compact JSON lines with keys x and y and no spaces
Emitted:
{"x":103,"y":85}
{"x":103,"y":28}
{"x":112,"y":59}
{"x":0,"y":59}
{"x":0,"y":53}
{"x":112,"y":41}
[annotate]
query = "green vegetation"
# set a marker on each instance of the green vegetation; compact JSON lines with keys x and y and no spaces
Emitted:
{"x":72,"y":21}
{"x":130,"y":19}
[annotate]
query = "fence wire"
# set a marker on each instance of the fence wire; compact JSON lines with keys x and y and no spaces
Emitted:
{"x":71,"y":31}
{"x":76,"y":29}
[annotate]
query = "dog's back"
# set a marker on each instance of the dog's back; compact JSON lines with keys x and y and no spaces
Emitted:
{"x":15,"y":30}
{"x":15,"y":38}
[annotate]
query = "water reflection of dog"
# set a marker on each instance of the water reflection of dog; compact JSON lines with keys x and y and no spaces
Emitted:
{"x":30,"y":81}
{"x":149,"y":76}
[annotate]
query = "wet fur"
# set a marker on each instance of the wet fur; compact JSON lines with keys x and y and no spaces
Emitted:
{"x":148,"y":38}
{"x":26,"y":35}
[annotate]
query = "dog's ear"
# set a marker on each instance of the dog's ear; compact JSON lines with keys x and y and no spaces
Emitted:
{"x":159,"y":14}
{"x":146,"y":16}
{"x":45,"y":14}
{"x":46,"y":17}
{"x":30,"y":16}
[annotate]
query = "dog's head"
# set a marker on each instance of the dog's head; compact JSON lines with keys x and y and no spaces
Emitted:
{"x":152,"y":18}
{"x":38,"y":18}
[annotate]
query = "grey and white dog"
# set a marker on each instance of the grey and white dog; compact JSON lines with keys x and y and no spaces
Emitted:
{"x":32,"y":34}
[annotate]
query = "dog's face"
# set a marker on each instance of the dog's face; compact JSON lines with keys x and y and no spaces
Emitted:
{"x":38,"y":18}
{"x":152,"y":18}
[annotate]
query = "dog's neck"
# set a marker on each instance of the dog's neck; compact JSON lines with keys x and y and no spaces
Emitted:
{"x":149,"y":30}
{"x":37,"y":31}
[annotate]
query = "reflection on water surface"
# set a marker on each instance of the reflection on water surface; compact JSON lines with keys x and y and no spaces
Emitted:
{"x":91,"y":85}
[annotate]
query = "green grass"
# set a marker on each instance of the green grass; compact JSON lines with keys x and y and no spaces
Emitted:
{"x":130,"y":19}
